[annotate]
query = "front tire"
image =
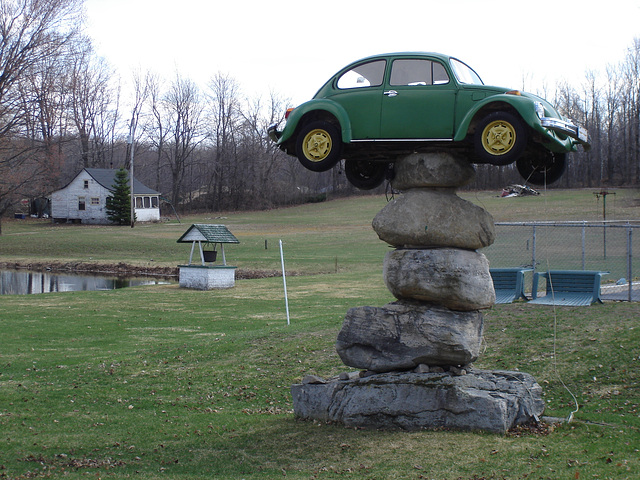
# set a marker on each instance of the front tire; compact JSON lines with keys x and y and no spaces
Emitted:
{"x":318,"y":146}
{"x":500,"y":138}
{"x":542,"y":167}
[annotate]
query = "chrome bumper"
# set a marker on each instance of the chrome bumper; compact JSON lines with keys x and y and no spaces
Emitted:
{"x":273,"y":133}
{"x":574,"y":131}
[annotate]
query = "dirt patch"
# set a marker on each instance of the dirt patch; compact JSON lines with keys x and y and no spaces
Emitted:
{"x":123,"y":269}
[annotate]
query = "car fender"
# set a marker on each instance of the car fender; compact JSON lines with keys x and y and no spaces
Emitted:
{"x":316,"y":109}
{"x":524,"y":107}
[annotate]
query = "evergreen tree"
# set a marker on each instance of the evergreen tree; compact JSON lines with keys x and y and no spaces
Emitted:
{"x":119,"y":204}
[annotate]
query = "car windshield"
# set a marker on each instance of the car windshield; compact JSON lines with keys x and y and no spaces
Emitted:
{"x":464,"y":73}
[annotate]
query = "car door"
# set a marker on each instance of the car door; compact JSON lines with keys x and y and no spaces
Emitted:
{"x":359,"y":91}
{"x":418,"y":101}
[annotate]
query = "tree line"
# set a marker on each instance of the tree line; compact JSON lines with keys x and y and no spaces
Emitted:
{"x":63,"y":108}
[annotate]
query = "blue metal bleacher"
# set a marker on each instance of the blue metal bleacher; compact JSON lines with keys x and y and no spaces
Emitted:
{"x":568,"y":287}
{"x":508,"y":283}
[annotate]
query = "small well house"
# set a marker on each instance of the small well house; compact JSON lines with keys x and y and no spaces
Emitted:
{"x":84,"y":199}
{"x":202,"y":272}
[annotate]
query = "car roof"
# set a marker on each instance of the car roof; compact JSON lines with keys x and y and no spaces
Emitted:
{"x":441,"y":56}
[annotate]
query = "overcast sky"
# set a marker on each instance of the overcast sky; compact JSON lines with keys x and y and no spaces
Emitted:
{"x":293,"y":46}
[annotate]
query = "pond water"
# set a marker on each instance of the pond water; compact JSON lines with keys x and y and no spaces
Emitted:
{"x":23,"y":282}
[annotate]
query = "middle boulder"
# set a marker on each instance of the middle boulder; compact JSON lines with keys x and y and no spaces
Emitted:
{"x":434,"y":217}
{"x":458,"y":279}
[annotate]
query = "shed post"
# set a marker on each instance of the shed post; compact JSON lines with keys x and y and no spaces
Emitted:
{"x":193,"y":246}
{"x":201,"y":254}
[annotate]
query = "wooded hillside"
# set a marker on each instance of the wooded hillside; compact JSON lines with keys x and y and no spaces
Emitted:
{"x":62,"y":108}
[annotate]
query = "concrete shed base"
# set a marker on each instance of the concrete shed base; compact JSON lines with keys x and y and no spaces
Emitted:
{"x":204,"y":277}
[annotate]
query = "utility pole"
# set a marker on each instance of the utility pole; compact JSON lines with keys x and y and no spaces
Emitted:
{"x":603,"y":193}
{"x":132,"y":133}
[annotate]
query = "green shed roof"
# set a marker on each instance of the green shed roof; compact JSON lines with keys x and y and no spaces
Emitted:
{"x":208,"y":233}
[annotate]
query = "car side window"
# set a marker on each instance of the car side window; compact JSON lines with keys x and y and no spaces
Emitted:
{"x":440,"y":76}
{"x":369,"y":74}
{"x":417,"y":72}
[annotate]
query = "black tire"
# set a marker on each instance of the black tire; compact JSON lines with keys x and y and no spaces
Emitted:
{"x":542,"y":167}
{"x":365,"y":174}
{"x":318,"y":146}
{"x":500,"y":138}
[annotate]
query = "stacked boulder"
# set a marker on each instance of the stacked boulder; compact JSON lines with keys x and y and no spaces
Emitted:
{"x":439,"y":279}
{"x":415,"y":353}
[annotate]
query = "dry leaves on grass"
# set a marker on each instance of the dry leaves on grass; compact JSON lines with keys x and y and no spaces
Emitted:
{"x":532,"y":428}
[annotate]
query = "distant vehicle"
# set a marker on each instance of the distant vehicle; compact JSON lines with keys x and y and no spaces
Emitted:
{"x":516,"y":190}
{"x":384,"y":106}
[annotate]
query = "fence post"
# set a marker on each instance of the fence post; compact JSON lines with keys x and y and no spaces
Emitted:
{"x":584,"y":228}
{"x":533,"y":249}
{"x":629,"y":256}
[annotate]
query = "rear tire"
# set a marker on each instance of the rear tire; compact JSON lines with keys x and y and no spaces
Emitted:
{"x":365,"y":174}
{"x":318,"y":146}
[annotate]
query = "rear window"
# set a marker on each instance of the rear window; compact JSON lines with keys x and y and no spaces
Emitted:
{"x":370,"y":74}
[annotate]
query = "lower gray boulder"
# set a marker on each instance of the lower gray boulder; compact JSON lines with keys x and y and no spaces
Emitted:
{"x":404,"y":334}
{"x":493,"y":401}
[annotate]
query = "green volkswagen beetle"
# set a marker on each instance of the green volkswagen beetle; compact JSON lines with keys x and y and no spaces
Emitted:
{"x":383,"y":106}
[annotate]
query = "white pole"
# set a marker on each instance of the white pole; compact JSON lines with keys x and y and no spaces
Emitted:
{"x":132,"y":134}
{"x":193,"y":246}
{"x":284,"y":280}
{"x":201,"y":254}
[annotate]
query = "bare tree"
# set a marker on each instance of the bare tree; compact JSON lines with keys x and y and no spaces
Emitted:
{"x":182,"y":111}
{"x":224,"y":108}
{"x":92,"y":103}
{"x":31,"y":32}
{"x":141,"y":92}
{"x":612,"y":106}
{"x":268,"y":163}
{"x":631,"y":73}
{"x":46,"y":124}
{"x":154,"y":128}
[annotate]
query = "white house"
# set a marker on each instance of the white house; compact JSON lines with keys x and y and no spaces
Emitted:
{"x":84,"y":199}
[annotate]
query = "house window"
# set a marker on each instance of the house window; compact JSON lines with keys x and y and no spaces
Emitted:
{"x":95,"y":200}
{"x":146,"y":202}
{"x":86,"y":184}
{"x":81,"y":203}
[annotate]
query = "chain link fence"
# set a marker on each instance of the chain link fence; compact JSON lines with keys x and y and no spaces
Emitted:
{"x":603,"y":246}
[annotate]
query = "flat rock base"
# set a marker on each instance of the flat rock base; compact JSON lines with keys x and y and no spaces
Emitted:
{"x":492,"y":401}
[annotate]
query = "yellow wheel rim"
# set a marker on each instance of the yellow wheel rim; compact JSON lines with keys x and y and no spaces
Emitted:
{"x":498,"y":137}
{"x":317,"y":145}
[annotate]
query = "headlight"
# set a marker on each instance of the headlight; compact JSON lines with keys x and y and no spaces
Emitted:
{"x":539,"y":108}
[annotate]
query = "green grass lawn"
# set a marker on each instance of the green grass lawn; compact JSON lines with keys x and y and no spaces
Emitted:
{"x":168,"y":383}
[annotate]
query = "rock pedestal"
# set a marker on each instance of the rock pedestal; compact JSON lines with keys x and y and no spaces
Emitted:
{"x":480,"y":400}
{"x":435,"y":327}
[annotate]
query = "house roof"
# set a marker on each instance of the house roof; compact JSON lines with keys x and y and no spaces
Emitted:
{"x":107,"y":178}
{"x":208,"y":233}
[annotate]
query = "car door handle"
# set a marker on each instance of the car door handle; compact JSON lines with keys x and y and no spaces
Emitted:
{"x":391,"y":93}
